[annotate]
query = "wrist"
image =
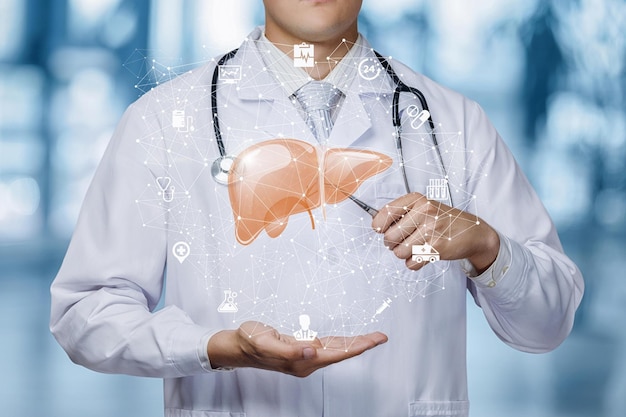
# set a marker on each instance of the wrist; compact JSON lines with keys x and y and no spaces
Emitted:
{"x":487,"y":251}
{"x":223,"y":350}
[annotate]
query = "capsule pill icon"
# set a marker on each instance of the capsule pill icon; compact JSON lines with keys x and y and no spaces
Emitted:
{"x":418,"y":118}
{"x":181,"y":251}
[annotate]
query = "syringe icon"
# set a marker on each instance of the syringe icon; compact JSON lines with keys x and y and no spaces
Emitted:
{"x":386,"y":303}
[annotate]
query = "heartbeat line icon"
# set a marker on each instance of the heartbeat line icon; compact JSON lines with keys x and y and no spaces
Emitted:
{"x":227,"y":73}
{"x":230,"y":73}
{"x":303,"y":55}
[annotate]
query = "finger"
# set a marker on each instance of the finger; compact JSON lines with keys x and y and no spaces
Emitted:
{"x":266,"y":343}
{"x":404,"y":249}
{"x":288,"y":349}
{"x":337,"y":349}
{"x":414,"y":266}
{"x":402,"y":229}
{"x":393,"y":211}
{"x":427,"y":221}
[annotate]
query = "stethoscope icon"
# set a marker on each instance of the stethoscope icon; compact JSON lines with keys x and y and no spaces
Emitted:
{"x":167,"y":192}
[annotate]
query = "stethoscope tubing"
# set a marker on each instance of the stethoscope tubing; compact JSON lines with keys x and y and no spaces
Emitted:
{"x":220,"y":174}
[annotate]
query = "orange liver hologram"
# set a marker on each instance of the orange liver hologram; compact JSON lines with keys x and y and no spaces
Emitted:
{"x":272,"y":180}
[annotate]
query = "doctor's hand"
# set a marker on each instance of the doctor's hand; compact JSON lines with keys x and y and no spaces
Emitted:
{"x":257,"y":345}
{"x":414,"y":220}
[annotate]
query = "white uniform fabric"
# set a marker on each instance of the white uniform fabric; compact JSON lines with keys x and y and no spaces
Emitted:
{"x":105,"y":294}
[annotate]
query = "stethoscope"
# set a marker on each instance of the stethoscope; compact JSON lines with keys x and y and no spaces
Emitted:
{"x":221,"y":166}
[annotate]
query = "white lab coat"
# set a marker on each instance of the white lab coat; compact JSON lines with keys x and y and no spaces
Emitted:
{"x":105,"y":295}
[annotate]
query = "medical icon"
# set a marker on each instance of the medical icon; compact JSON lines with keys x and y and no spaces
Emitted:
{"x":384,"y":306}
{"x":369,"y":69}
{"x":167,"y":192}
{"x":305,"y":333}
{"x":418,"y":118}
{"x":437,"y":189}
{"x":180,"y":122}
{"x":230,"y":74}
{"x":272,"y":180}
{"x":228,"y":305}
{"x":424,"y":253}
{"x":304,"y":55}
{"x":181,"y":251}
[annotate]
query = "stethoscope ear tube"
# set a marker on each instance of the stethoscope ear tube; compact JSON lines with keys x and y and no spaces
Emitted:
{"x":221,"y":166}
{"x":397,"y":122}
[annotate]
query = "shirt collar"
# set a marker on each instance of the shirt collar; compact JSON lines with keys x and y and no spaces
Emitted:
{"x":291,"y":78}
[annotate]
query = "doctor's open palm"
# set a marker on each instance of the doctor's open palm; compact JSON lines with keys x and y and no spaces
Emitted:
{"x":257,"y":345}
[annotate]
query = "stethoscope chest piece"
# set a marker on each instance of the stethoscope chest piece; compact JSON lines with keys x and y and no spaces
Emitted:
{"x":221,"y":167}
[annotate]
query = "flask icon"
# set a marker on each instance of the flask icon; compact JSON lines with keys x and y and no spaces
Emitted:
{"x":228,"y":305}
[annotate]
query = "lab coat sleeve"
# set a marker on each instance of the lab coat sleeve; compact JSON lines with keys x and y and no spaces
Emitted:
{"x":104,"y":295}
{"x":530,"y":293}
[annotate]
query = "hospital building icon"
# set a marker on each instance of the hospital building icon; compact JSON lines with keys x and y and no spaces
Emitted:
{"x":437,"y":189}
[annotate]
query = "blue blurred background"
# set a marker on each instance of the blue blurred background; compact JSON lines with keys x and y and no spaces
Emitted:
{"x":550,"y":74}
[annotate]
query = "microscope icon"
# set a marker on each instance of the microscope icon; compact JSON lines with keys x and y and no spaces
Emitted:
{"x":228,"y":305}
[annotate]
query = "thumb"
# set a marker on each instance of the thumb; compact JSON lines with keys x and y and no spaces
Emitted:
{"x":308,"y":353}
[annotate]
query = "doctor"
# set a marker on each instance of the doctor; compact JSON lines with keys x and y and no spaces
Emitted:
{"x":154,"y":210}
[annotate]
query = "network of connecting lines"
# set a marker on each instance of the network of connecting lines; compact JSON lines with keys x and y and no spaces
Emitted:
{"x":312,"y":255}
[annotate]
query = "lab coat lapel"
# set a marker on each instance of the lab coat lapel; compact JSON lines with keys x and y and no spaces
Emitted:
{"x":354,"y":120}
{"x":281,"y":117}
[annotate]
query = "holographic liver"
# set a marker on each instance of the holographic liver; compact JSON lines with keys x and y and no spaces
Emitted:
{"x":273,"y":180}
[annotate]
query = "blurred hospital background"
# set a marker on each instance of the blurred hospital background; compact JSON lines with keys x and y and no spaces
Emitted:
{"x":551,"y":75}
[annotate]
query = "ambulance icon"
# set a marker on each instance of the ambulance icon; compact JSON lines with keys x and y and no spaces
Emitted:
{"x":424,"y":253}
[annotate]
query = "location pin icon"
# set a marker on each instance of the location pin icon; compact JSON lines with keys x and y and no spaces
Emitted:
{"x":181,"y":251}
